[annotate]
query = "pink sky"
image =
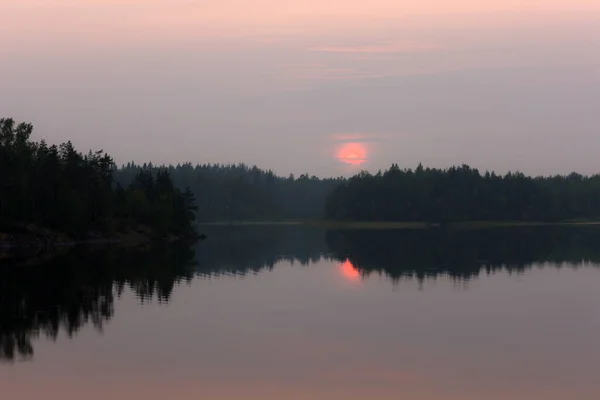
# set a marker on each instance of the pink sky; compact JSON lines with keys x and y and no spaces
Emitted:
{"x":446,"y":82}
{"x":127,"y":19}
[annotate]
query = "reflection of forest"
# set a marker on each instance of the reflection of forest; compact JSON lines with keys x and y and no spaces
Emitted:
{"x":462,"y":253}
{"x":248,"y":249}
{"x":459,"y":253}
{"x":79,"y":288}
{"x":71,"y":290}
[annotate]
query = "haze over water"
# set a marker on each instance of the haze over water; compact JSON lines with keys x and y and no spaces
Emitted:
{"x":295,"y":313}
{"x":499,"y":85}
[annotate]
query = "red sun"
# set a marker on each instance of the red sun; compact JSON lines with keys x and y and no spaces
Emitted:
{"x":352,"y":153}
{"x":349,"y":271}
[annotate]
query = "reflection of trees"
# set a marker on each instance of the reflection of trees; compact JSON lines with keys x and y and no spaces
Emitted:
{"x":74,"y":289}
{"x":78,"y":288}
{"x":245,"y":250}
{"x":462,"y":253}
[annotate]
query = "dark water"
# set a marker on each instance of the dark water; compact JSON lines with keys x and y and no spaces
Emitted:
{"x":298,"y":313}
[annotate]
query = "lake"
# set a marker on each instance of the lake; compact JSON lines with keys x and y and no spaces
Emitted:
{"x":291,"y":312}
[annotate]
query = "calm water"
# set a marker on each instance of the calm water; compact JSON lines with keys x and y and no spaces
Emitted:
{"x":296,"y":313}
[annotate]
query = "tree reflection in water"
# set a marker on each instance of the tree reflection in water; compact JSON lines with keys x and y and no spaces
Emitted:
{"x":462,"y":253}
{"x":72,"y":290}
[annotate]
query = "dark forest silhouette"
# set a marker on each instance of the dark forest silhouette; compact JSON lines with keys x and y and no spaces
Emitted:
{"x":240,"y":192}
{"x":463,"y":194}
{"x":60,"y":188}
{"x":243,"y":193}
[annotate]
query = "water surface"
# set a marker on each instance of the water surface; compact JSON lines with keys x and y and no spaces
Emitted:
{"x":299,"y":313}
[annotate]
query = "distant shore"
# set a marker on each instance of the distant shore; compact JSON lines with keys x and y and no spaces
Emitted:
{"x":399,"y":224}
{"x":251,"y":223}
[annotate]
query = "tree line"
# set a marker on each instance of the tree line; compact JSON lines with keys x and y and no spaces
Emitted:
{"x":237,"y":192}
{"x":463,"y":194}
{"x":60,"y":188}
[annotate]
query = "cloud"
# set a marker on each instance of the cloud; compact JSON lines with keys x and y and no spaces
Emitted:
{"x":360,"y":137}
{"x":381,"y":48}
{"x":317,"y":72}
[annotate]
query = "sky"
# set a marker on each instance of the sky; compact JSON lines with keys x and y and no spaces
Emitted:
{"x":326,"y":87}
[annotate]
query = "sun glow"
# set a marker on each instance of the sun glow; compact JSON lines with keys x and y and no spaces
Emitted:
{"x":352,"y":153}
{"x":349,"y":271}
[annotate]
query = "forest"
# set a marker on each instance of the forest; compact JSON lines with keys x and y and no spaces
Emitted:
{"x":242,"y":193}
{"x":238,"y":192}
{"x":59,"y":188}
{"x":463,"y":194}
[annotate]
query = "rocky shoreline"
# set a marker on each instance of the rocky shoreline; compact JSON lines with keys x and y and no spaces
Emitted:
{"x":29,"y":241}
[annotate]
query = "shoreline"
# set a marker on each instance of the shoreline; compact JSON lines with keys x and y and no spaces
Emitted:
{"x":401,"y":224}
{"x":45,"y":243}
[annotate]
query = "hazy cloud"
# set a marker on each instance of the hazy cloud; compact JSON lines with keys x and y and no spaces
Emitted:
{"x":303,"y":77}
{"x":361,"y":137}
{"x":379,"y":48}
